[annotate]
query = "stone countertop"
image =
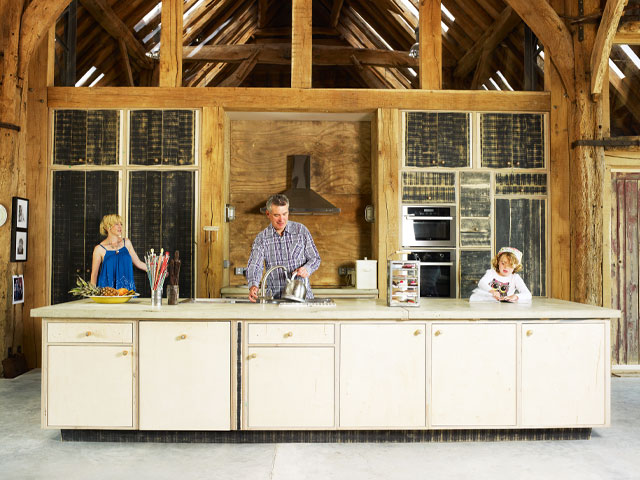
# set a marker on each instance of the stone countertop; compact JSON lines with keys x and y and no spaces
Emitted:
{"x":345,"y":309}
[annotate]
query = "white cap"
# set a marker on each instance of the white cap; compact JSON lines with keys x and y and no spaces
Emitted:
{"x":515,"y":251}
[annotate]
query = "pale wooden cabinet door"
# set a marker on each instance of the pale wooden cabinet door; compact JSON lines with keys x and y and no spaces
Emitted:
{"x":564,"y":381}
{"x":89,"y":386}
{"x":382,"y":376}
{"x":185,"y":376}
{"x":290,"y":387}
{"x":473,"y":374}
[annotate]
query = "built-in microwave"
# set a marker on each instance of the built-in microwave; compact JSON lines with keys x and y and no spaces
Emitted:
{"x":437,"y":272}
{"x":428,"y":226}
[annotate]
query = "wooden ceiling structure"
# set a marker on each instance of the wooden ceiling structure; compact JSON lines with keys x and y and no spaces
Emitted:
{"x":356,"y":44}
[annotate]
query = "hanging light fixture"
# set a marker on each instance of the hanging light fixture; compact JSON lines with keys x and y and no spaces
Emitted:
{"x":415,"y":48}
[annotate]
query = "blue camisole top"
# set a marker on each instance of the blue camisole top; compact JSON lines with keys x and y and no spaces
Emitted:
{"x":116,"y":269}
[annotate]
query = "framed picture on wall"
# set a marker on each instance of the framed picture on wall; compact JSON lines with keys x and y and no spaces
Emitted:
{"x":20,"y":213}
{"x":18,"y":289}
{"x":19,"y":243}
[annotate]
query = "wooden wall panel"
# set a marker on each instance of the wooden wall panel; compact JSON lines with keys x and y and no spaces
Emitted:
{"x":625,"y":338}
{"x":340,"y":171}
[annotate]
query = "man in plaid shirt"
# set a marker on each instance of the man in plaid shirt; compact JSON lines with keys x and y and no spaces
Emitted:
{"x":282,"y":243}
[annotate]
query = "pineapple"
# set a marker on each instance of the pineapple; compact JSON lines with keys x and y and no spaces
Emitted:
{"x":85,"y":289}
{"x":109,"y":292}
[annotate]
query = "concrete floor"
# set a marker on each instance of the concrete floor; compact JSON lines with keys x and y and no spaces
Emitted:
{"x":27,"y":452}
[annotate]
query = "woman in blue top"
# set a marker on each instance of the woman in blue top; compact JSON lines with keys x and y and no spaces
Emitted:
{"x":114,"y":257}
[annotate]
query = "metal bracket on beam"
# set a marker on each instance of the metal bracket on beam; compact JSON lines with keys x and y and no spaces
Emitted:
{"x":10,"y":126}
{"x":580,"y":27}
{"x":608,"y":142}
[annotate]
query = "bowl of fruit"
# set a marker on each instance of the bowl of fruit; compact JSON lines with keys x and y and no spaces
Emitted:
{"x":102,"y":294}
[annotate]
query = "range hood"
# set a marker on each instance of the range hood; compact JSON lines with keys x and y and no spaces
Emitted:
{"x":303,"y":200}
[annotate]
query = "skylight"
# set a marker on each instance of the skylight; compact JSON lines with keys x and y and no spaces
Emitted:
{"x":484,"y":86}
{"x":85,"y":77}
{"x":192,"y":9}
{"x":504,"y":80}
{"x":152,"y":34}
{"x":412,"y":8}
{"x":97,"y":79}
{"x":447,"y":12}
{"x":631,"y":54}
{"x":616,"y":70}
{"x":493,"y":82}
{"x":148,"y":17}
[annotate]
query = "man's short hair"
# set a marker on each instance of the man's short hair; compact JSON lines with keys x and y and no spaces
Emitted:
{"x":279,"y":200}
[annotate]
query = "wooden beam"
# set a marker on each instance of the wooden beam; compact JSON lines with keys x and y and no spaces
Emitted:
{"x":171,"y":44}
{"x":604,"y":41}
{"x":482,"y":70}
{"x":301,"y":42}
{"x":490,"y":39}
{"x":125,"y":62}
{"x":336,"y":8}
{"x":297,"y":99}
{"x":263,"y":5}
{"x":280,"y":54}
{"x":106,"y":17}
{"x":430,"y":44}
{"x":385,"y":173}
{"x":628,"y":33}
{"x":213,"y":198}
{"x":553,"y":34}
{"x":241,"y":72}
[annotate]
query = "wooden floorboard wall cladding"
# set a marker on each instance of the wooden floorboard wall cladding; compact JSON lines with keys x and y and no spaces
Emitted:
{"x":625,"y":267}
{"x":340,"y":172}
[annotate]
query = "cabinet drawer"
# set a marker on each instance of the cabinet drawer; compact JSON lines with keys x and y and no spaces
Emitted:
{"x":90,"y":332}
{"x":290,"y":333}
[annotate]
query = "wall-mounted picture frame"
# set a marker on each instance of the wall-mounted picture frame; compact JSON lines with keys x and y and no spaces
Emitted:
{"x":18,"y":289}
{"x":19,"y":245}
{"x":20,"y":213}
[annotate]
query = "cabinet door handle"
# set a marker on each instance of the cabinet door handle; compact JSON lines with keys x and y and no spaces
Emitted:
{"x":125,"y":353}
{"x":288,"y":334}
{"x":253,"y":355}
{"x":438,"y":332}
{"x":529,"y":333}
{"x":417,"y":332}
{"x":88,"y":334}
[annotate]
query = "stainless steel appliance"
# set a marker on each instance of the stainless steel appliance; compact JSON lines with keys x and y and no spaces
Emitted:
{"x":438,"y":272}
{"x":428,"y":226}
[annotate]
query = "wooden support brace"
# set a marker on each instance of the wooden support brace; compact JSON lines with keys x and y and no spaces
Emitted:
{"x":604,"y":41}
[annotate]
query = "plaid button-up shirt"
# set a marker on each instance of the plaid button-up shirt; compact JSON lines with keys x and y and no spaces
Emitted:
{"x":294,"y":249}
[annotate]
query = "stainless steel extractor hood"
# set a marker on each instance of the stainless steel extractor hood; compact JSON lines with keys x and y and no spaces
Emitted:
{"x":303,"y":200}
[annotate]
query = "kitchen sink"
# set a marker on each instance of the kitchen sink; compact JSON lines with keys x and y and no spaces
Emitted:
{"x":314,"y":302}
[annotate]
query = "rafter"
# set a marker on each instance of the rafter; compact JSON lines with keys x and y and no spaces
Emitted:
{"x":335,"y":12}
{"x":280,"y":54}
{"x":629,"y":97}
{"x":106,"y":17}
{"x":553,"y":34}
{"x":244,"y":69}
{"x":501,"y":28}
{"x":602,"y":45}
{"x":125,"y":62}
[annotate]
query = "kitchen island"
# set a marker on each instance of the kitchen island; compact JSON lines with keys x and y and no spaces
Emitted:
{"x":359,"y":365}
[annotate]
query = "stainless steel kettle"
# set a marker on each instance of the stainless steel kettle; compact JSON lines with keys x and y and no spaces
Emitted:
{"x":296,"y":289}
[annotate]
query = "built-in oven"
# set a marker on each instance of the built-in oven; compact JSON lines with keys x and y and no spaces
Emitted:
{"x":428,"y":226}
{"x":437,"y":272}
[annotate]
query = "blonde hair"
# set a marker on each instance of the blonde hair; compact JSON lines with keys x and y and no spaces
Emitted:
{"x":513,"y":261}
{"x":108,"y":221}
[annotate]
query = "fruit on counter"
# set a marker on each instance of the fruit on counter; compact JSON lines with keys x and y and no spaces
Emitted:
{"x":87,"y":289}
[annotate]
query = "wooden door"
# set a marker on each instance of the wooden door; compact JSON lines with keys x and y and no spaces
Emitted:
{"x":564,"y":377}
{"x":473,"y":374}
{"x":624,"y":268}
{"x":185,"y":379}
{"x":382,"y":376}
{"x":89,"y":386}
{"x":290,"y":387}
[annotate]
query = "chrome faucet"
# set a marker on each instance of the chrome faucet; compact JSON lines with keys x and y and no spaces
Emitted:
{"x":264,"y":280}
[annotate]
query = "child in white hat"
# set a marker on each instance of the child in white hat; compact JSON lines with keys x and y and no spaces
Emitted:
{"x":501,"y":283}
